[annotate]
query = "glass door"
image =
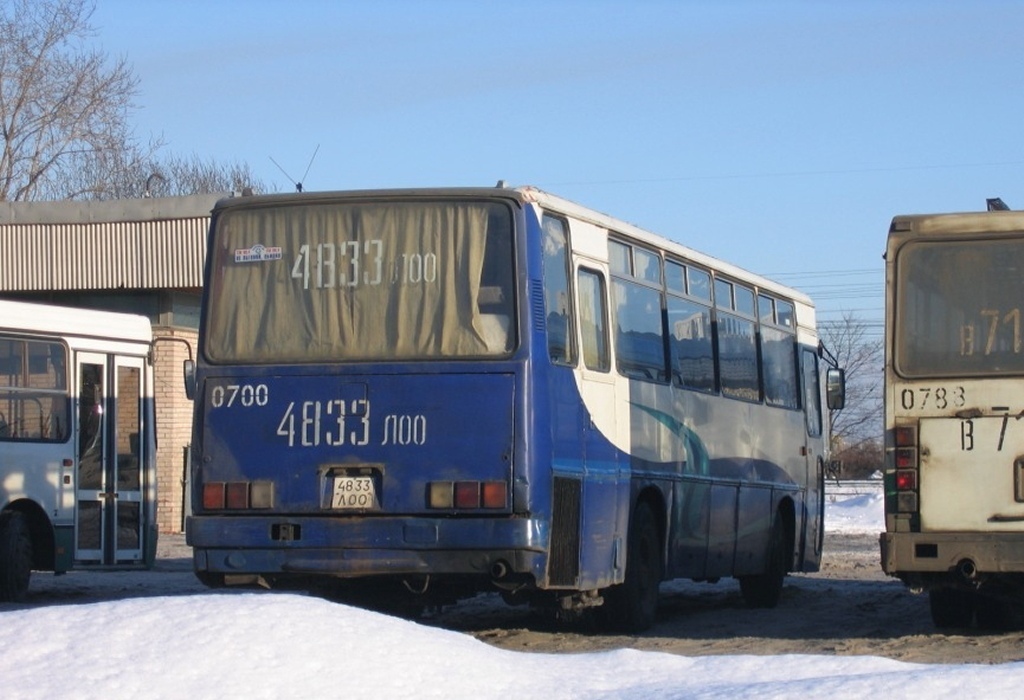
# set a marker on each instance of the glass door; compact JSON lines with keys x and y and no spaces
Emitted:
{"x":109,"y":512}
{"x":128,"y":430}
{"x":814,"y":451}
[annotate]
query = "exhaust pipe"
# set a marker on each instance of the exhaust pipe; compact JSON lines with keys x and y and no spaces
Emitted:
{"x":967,"y":569}
{"x":499,"y":570}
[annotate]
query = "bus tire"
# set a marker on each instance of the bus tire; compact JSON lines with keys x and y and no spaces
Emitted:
{"x":765,"y":590}
{"x":632,"y":606}
{"x":210,"y":580}
{"x":15,"y":556}
{"x":951,"y":608}
{"x":998,"y":615}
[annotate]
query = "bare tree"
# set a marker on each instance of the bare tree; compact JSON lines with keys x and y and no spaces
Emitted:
{"x":178,"y":175}
{"x":63,"y":109}
{"x":65,"y":117}
{"x":857,"y":429}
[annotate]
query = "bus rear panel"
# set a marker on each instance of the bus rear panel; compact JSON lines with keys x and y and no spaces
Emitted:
{"x":358,"y":410}
{"x":955,"y":414}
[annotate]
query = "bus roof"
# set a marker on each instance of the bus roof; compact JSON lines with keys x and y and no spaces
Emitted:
{"x":28,"y":317}
{"x":957,"y":223}
{"x":523,"y":195}
{"x":568,"y":207}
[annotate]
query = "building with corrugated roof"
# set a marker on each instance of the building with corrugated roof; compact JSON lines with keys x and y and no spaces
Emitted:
{"x":142,"y":256}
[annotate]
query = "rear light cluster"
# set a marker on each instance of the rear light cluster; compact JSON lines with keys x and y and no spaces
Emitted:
{"x":467,"y":495}
{"x":238,"y":495}
{"x":906,"y":468}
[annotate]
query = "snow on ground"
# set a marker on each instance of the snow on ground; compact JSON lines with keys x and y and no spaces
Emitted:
{"x":860,"y":514}
{"x":250,"y":645}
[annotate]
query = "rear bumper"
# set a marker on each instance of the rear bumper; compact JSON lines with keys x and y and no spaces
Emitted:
{"x":348,"y":548}
{"x":905,"y":554}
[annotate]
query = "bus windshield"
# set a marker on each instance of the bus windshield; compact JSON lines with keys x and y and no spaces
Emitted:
{"x":358,"y":281}
{"x":958,"y":308}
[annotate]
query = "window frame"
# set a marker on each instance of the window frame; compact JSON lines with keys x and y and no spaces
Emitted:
{"x":603,"y":333}
{"x":572,"y":353}
{"x":24,"y":392}
{"x":629,"y":285}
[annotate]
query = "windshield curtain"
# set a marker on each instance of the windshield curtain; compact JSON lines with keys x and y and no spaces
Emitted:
{"x":958,"y":308}
{"x":325,"y":282}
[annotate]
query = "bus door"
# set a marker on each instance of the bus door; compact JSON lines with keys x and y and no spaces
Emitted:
{"x":814,"y":456}
{"x":109,"y":493}
{"x":605,"y":509}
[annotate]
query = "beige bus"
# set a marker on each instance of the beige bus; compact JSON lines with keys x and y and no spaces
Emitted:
{"x":954,"y":414}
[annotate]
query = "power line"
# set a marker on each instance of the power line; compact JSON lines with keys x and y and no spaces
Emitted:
{"x":824,"y":273}
{"x":786,"y":173}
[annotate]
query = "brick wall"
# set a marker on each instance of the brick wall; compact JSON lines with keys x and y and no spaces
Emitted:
{"x":173,"y":423}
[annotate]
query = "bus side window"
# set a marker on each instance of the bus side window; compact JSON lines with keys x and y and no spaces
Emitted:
{"x":778,"y":349}
{"x":690,"y":345}
{"x":593,"y":321}
{"x":812,"y":393}
{"x":637,"y":284}
{"x":737,"y":357}
{"x":33,"y":391}
{"x":738,"y":362}
{"x":561,"y":348}
{"x":639,"y":334}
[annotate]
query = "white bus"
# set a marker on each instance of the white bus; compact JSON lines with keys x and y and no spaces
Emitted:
{"x":77,"y":442}
{"x":954,"y":414}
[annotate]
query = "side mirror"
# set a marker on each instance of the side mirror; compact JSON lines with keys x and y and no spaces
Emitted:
{"x":835,"y":389}
{"x":188,"y":369}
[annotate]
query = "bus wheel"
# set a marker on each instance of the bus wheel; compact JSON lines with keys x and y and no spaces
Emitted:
{"x":15,"y":556}
{"x":951,"y":608}
{"x":632,"y":606}
{"x":997,"y":615}
{"x":210,"y":580}
{"x":765,"y":590}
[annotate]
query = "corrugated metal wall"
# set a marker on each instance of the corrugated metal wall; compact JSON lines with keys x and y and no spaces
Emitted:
{"x":119,"y":255}
{"x":149,"y":244}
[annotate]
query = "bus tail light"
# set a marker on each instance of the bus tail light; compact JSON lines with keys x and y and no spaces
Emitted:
{"x":906,"y":458}
{"x":907,"y":468}
{"x":906,"y":447}
{"x":906,"y":436}
{"x":467,"y":495}
{"x":906,"y":502}
{"x":238,"y":495}
{"x":261,"y":494}
{"x":213,"y":495}
{"x":494,"y":494}
{"x":906,"y":479}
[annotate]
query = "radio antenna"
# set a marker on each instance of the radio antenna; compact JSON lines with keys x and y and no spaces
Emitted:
{"x":297,"y":183}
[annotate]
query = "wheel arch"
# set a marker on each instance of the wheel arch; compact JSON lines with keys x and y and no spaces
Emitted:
{"x":40,"y":529}
{"x":786,"y":510}
{"x":653,"y":497}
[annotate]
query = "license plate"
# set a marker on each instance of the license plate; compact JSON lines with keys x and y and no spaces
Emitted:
{"x":354,"y":493}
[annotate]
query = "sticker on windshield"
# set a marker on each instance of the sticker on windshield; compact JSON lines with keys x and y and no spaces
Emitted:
{"x":257,"y":253}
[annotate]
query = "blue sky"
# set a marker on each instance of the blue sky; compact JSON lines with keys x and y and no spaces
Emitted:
{"x":780,"y":136}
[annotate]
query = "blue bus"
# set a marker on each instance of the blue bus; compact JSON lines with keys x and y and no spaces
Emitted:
{"x":436,"y":392}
